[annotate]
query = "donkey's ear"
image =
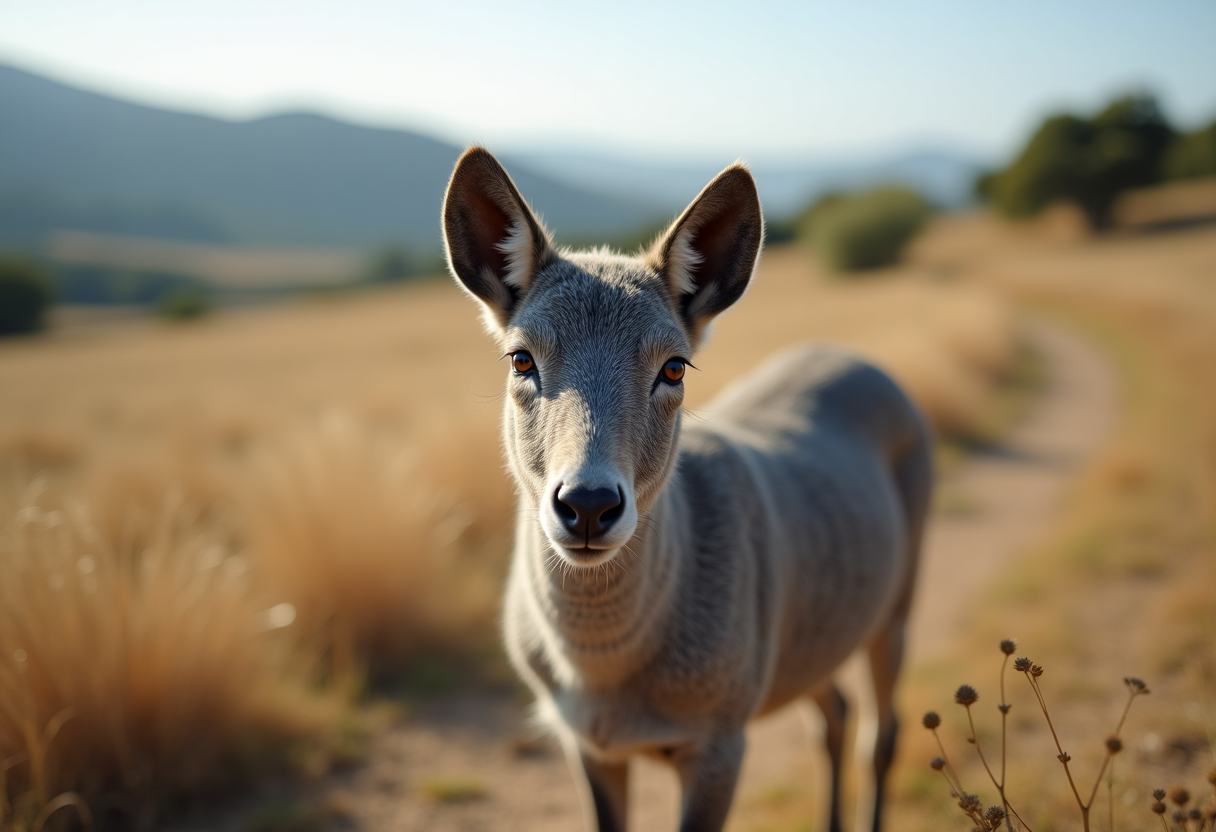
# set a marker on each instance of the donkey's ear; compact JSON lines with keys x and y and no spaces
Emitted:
{"x":495,"y":244}
{"x":709,"y":253}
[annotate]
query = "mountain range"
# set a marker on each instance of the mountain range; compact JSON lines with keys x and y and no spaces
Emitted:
{"x":78,"y":161}
{"x":88,"y":162}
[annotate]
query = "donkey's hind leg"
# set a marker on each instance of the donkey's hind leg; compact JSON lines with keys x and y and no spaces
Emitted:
{"x":835,"y":716}
{"x":914,"y":479}
{"x":886,"y":655}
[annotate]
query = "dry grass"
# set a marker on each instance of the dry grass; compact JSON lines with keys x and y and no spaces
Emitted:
{"x":131,"y":676}
{"x":344,"y":522}
{"x":453,"y":789}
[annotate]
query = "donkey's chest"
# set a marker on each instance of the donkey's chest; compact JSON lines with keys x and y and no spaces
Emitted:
{"x":617,"y":725}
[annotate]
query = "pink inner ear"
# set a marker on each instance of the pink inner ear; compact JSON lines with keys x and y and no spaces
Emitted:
{"x":490,"y":227}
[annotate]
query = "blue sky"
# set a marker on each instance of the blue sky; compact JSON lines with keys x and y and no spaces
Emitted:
{"x":763,"y":80}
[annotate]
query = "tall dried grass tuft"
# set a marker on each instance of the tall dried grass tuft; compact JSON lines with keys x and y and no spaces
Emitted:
{"x":128,"y":677}
{"x":339,"y":518}
{"x":127,"y":497}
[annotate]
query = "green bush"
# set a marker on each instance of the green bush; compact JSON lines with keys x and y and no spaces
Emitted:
{"x":25,"y":295}
{"x":1192,"y":155}
{"x":865,"y":230}
{"x":1088,"y":161}
{"x":184,"y":304}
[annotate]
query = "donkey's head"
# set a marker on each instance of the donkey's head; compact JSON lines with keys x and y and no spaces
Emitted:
{"x":598,"y":344}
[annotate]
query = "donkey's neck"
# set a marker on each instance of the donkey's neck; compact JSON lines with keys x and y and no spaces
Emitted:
{"x":605,"y":618}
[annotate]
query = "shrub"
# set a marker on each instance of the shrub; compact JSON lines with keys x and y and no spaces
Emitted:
{"x":866,"y":230}
{"x":25,"y":295}
{"x":184,"y":304}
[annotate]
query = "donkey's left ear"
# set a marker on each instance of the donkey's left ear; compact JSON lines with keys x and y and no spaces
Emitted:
{"x":495,"y":244}
{"x":709,"y":253}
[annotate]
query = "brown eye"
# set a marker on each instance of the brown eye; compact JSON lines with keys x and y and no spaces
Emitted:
{"x":522,"y":363}
{"x":673,"y":371}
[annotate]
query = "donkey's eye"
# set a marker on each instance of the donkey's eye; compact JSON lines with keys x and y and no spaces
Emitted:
{"x":522,"y":363}
{"x":673,"y":371}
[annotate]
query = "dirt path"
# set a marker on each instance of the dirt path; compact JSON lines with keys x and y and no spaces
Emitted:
{"x":481,"y":741}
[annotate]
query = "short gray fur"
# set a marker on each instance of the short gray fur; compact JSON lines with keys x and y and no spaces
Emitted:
{"x":670,"y":583}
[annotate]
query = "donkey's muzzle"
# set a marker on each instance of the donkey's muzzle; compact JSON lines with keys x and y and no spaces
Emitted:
{"x":588,"y":513}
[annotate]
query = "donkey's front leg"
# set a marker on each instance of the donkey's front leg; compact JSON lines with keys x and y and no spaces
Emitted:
{"x":708,"y":775}
{"x":609,"y":785}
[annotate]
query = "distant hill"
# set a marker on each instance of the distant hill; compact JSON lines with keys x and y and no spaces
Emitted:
{"x":77,"y":161}
{"x":943,"y":176}
{"x":80,"y":161}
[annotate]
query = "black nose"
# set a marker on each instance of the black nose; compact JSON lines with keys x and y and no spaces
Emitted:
{"x":588,"y":512}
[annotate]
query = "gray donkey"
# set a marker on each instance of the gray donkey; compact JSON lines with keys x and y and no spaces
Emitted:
{"x":670,"y":584}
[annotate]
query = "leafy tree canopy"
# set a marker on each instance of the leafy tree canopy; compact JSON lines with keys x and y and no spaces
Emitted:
{"x":1089,"y":161}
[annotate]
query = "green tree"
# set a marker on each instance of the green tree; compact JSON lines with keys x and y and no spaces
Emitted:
{"x":1192,"y":155}
{"x":25,"y":296}
{"x":1088,"y":161}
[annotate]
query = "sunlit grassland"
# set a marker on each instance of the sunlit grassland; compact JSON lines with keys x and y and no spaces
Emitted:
{"x":237,"y":516}
{"x":1122,"y":585}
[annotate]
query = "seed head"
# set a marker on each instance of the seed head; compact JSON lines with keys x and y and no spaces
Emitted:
{"x":966,"y":695}
{"x":1195,"y":814}
{"x":1008,"y":645}
{"x":1179,"y":796}
{"x":1064,"y":757}
{"x":969,"y":802}
{"x":1036,"y":671}
{"x":1021,"y":664}
{"x":1158,"y":807}
{"x":1004,"y":708}
{"x":995,"y":815}
{"x":937,"y":764}
{"x":1136,"y":686}
{"x":1158,"y":794}
{"x":931,"y":720}
{"x":1113,"y":744}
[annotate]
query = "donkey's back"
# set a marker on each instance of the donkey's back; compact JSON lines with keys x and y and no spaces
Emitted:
{"x":827,"y":468}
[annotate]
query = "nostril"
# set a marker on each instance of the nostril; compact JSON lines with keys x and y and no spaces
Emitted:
{"x":564,"y":510}
{"x":613,"y":513}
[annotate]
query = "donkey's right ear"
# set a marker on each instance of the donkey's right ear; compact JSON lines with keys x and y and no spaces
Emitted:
{"x":495,"y":244}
